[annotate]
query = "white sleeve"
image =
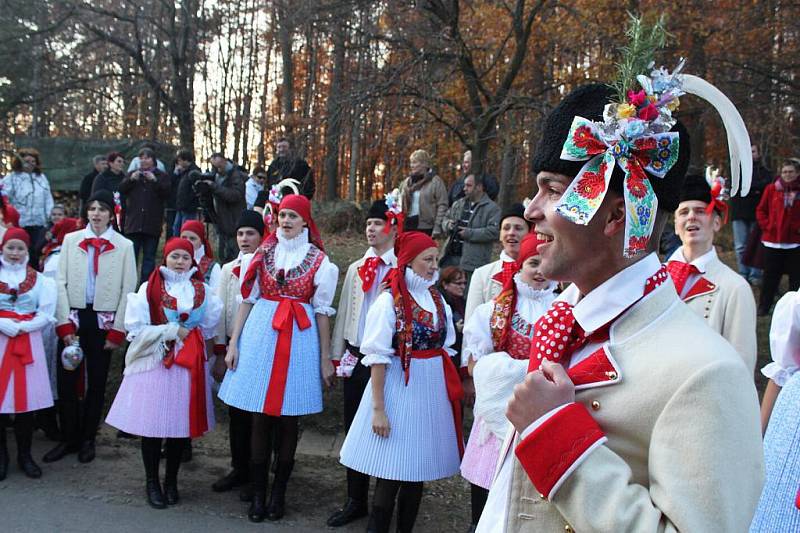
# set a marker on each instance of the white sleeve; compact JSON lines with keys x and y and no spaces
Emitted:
{"x":450,"y":338}
{"x":377,"y":342}
{"x":9,"y":327}
{"x":213,"y":312}
{"x":45,"y":314}
{"x":137,"y":312}
{"x":255,"y":294}
{"x":215,"y":277}
{"x":784,"y":338}
{"x":325,"y":280}
{"x":478,"y":334}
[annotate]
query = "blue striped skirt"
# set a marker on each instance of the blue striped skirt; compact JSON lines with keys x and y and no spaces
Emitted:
{"x":246,"y":387}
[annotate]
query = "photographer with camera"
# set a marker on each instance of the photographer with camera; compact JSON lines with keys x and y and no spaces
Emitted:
{"x":221,"y":193}
{"x":186,"y":201}
{"x":145,"y":191}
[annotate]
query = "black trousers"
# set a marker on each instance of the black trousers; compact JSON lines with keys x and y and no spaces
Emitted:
{"x":80,"y":419}
{"x":354,"y":386}
{"x":778,"y":262}
{"x":36,"y":233}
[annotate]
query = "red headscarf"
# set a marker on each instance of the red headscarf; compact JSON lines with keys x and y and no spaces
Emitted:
{"x":302,"y":206}
{"x":407,"y":247}
{"x":196,"y":227}
{"x":59,"y":231}
{"x":10,"y":214}
{"x":155,"y":283}
{"x":18,"y":234}
{"x":506,"y":301}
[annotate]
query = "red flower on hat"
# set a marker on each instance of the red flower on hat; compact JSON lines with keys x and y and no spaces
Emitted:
{"x":591,"y":184}
{"x":637,"y":187}
{"x":637,"y":99}
{"x":584,"y":138}
{"x":648,"y":112}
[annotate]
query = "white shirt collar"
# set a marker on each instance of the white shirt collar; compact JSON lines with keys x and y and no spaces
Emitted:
{"x":388,"y":256}
{"x":417,"y":284}
{"x":613,"y":296}
{"x":527,"y":292}
{"x":199,"y":253}
{"x":505,"y":258}
{"x":701,"y":262}
{"x":89,"y":234}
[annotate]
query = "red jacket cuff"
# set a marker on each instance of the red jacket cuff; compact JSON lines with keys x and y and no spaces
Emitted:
{"x":220,"y":349}
{"x":116,"y":336}
{"x":65,"y":329}
{"x":555,"y":448}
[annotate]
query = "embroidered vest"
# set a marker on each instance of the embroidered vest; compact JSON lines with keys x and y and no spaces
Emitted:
{"x":205,"y":266}
{"x":25,"y":298}
{"x":426,"y":336}
{"x":520,"y":332}
{"x":296,"y":283}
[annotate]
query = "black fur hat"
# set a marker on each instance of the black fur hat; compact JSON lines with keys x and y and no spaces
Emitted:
{"x":695,"y":188}
{"x":514,"y":210}
{"x":251,"y":219}
{"x":588,"y":101}
{"x":377,"y":210}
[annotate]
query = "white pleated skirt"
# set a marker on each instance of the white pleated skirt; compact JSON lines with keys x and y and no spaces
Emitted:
{"x":422,"y":443}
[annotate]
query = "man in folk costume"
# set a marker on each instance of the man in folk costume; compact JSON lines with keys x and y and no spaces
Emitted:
{"x":249,"y":233}
{"x":363,"y":283}
{"x":712,"y":289}
{"x":620,"y":426}
{"x":488,"y":280}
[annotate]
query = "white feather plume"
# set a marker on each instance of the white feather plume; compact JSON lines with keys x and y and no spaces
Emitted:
{"x":735,"y":129}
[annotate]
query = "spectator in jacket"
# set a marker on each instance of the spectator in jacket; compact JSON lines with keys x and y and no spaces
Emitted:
{"x":424,"y":196}
{"x":744,"y":213}
{"x":226,"y":199}
{"x":186,"y":201}
{"x":254,"y":185}
{"x":109,"y":179}
{"x":99,"y":164}
{"x":457,"y":188}
{"x":28,"y":189}
{"x":135,"y":163}
{"x":288,"y":165}
{"x":472,"y":226}
{"x":778,"y":215}
{"x":145,"y":191}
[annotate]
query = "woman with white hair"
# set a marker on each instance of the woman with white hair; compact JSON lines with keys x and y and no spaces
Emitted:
{"x":424,"y":196}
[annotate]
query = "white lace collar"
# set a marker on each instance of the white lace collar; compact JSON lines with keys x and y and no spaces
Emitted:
{"x":172,"y":278}
{"x":199,"y":253}
{"x":294,"y":244}
{"x":525,"y":291}
{"x":13,"y":273}
{"x":418,"y":284}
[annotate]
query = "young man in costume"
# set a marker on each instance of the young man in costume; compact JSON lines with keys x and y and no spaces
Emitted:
{"x":363,"y":283}
{"x":709,"y":287}
{"x":619,"y":424}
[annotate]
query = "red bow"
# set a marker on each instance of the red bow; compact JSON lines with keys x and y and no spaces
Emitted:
{"x":17,"y":356}
{"x":368,"y":272}
{"x":398,"y":218}
{"x":717,"y":203}
{"x":508,"y":271}
{"x":100,"y":246}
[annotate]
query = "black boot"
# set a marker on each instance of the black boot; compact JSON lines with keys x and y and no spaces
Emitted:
{"x":46,"y":420}
{"x":3,"y":451}
{"x":87,"y":452}
{"x":408,"y":499}
{"x":174,"y":449}
{"x":68,"y":418}
{"x":379,"y":520}
{"x":231,"y":480}
{"x":258,"y":507}
{"x":23,"y":430}
{"x":186,"y":452}
{"x":151,"y":456}
{"x":277,"y":498}
{"x":352,"y":510}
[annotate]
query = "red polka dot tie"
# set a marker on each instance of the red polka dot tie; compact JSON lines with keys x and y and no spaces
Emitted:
{"x":368,"y":271}
{"x":680,"y":272}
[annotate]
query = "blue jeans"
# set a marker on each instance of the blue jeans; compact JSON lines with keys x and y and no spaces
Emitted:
{"x":148,"y":245}
{"x":741,"y":231}
{"x":180,"y":218}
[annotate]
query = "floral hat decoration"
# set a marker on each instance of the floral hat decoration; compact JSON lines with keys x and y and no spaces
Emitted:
{"x":637,"y":135}
{"x":394,"y":212}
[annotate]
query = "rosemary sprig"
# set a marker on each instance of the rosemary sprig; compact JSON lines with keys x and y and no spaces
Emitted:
{"x":643,"y":41}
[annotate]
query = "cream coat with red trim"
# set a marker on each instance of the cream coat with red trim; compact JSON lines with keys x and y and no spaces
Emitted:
{"x":680,"y":412}
{"x":231,"y":295}
{"x":117,"y":277}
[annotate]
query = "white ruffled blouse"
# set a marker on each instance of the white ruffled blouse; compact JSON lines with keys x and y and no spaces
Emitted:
{"x":12,"y":274}
{"x":377,"y":343}
{"x":531,"y":305}
{"x":288,"y":254}
{"x":784,"y":339}
{"x":179,"y":286}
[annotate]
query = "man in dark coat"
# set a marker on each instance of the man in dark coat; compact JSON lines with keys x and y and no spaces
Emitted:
{"x":287,"y":165}
{"x":100,"y":164}
{"x":186,"y":201}
{"x":225,"y":199}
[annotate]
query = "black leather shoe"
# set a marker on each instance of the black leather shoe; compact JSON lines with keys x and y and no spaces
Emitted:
{"x":56,"y":454}
{"x":171,"y":493}
{"x":352,"y":510}
{"x":154,"y":495}
{"x":229,"y":481}
{"x":246,"y":493}
{"x":27,"y":465}
{"x":86,"y":453}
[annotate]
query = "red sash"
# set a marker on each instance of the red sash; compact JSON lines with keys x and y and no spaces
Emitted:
{"x":17,"y":356}
{"x":192,"y":357}
{"x":287,"y":313}
{"x":452,"y":381}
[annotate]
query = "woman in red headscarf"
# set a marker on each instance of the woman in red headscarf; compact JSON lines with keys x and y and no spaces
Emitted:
{"x":408,"y":426}
{"x":48,"y":260}
{"x":195,"y":232}
{"x":497,"y":340}
{"x":165,"y":393}
{"x":27,"y":304}
{"x":279,"y":352}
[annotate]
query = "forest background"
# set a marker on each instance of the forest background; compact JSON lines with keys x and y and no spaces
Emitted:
{"x":357,"y":85}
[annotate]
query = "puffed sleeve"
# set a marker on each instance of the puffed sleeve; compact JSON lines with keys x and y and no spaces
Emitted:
{"x":450,"y":338}
{"x":255,"y":294}
{"x":377,"y":343}
{"x":137,"y":312}
{"x":45,"y":314}
{"x":784,"y":338}
{"x":215,"y":277}
{"x":325,"y":280}
{"x":478,"y":334}
{"x":213,"y":311}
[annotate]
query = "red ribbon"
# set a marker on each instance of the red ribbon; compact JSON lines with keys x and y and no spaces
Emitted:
{"x":17,"y":356}
{"x":717,"y":203}
{"x":192,"y":357}
{"x":287,"y":313}
{"x":398,"y":218}
{"x":99,"y":245}
{"x":452,"y":380}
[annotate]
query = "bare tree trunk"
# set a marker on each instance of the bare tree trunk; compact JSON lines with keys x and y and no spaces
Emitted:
{"x":285,"y":35}
{"x":333,"y":124}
